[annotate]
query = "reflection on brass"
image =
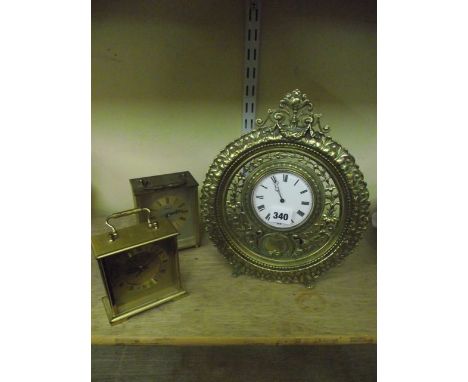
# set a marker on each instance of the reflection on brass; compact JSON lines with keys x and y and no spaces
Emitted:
{"x":292,"y":141}
{"x":276,"y":244}
{"x":139,"y":265}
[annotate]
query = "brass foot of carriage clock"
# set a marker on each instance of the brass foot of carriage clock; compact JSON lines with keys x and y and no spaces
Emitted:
{"x":285,"y":202}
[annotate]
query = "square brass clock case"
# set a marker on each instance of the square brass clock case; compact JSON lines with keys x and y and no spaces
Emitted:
{"x":139,"y":266}
{"x":174,"y":196}
{"x":291,"y":142}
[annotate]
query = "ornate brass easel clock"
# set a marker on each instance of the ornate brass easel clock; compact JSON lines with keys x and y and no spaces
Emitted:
{"x":174,"y":196}
{"x":139,"y":266}
{"x":285,"y":202}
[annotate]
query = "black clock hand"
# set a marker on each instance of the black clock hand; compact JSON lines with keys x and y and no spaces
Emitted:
{"x":175,"y":212}
{"x":138,"y":269}
{"x":276,"y":184}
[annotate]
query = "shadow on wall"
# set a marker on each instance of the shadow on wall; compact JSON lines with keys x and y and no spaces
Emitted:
{"x":193,"y":50}
{"x":201,"y":12}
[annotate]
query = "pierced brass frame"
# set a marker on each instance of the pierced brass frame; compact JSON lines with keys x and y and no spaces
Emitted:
{"x":290,"y":139}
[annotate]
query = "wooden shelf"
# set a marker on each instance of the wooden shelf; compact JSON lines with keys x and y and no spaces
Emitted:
{"x":223,"y":310}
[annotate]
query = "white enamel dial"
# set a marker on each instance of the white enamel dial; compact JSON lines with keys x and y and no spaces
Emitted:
{"x":282,"y":200}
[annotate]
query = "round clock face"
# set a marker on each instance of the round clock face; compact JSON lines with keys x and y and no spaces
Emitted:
{"x":282,"y":200}
{"x":139,"y":269}
{"x":172,"y":207}
{"x":285,"y":201}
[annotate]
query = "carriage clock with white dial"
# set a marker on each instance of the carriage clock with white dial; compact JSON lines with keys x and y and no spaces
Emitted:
{"x":172,"y":196}
{"x":285,"y":202}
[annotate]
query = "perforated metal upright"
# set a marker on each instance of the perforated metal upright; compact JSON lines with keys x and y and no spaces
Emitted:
{"x":252,"y":51}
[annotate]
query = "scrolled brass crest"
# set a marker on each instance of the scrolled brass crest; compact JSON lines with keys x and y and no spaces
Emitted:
{"x":294,"y":117}
{"x":290,"y":139}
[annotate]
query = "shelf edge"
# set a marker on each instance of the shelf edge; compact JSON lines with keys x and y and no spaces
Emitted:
{"x":221,"y":341}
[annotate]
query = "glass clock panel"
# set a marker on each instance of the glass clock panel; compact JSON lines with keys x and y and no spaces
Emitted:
{"x":175,"y":205}
{"x":141,"y":274}
{"x":282,"y":200}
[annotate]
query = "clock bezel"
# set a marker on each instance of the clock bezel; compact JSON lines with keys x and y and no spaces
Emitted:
{"x":282,"y":204}
{"x":272,"y":145}
{"x":291,"y":168}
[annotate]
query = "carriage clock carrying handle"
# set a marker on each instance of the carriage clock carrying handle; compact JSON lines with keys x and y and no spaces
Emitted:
{"x":114,"y":235}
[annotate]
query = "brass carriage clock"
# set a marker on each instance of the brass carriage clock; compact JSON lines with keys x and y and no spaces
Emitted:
{"x":285,"y":202}
{"x":139,"y":265}
{"x":174,"y":196}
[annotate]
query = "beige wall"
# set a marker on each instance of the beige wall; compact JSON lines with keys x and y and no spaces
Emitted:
{"x":167,"y":82}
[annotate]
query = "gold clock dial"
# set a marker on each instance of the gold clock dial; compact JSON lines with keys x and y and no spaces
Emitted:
{"x":172,"y":207}
{"x":138,"y":270}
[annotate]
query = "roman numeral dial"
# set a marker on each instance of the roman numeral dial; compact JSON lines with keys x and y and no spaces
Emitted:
{"x":282,"y":200}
